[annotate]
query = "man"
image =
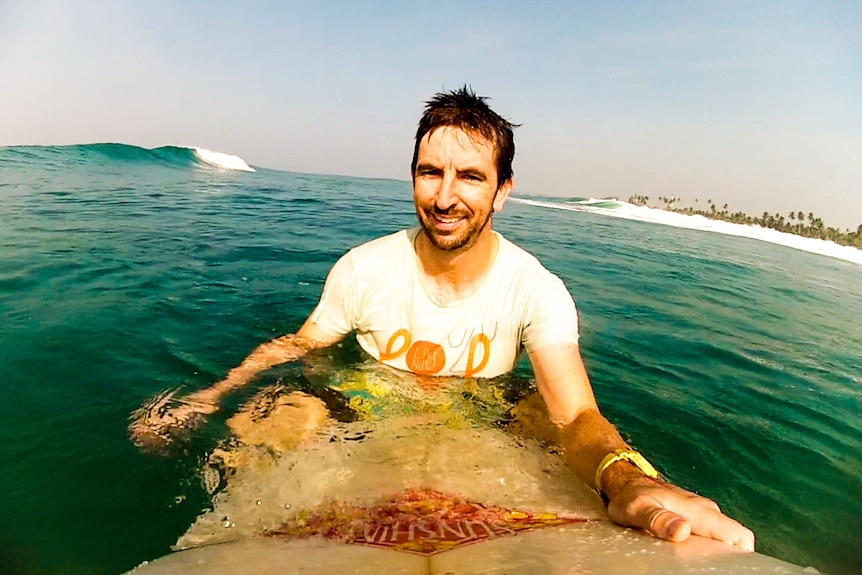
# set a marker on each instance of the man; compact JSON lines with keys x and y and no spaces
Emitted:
{"x":452,"y":297}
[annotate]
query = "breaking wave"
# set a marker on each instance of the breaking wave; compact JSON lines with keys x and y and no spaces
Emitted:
{"x":625,"y":210}
{"x":106,"y":153}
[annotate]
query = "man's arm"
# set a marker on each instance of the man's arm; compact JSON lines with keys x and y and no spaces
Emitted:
{"x":275,"y":352}
{"x":153,"y":424}
{"x":635,"y":500}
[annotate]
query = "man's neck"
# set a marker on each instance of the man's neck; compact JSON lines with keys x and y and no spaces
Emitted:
{"x":452,"y":275}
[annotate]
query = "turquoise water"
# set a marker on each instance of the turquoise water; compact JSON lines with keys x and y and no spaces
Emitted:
{"x":734,"y":364}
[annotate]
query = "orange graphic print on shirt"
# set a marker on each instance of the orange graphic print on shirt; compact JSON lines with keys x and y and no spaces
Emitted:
{"x":426,"y":358}
{"x":429,"y":358}
{"x":472,"y":369}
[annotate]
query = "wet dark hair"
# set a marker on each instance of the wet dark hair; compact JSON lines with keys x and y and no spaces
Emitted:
{"x":463,"y":109}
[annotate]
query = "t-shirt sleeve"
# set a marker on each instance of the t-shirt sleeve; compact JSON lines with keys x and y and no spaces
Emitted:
{"x":551,"y":316}
{"x":335,"y":312}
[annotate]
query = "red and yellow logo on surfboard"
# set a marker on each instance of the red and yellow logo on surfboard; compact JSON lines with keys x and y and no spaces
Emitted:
{"x":422,"y":521}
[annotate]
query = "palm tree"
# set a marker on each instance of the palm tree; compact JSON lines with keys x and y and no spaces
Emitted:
{"x":795,"y":222}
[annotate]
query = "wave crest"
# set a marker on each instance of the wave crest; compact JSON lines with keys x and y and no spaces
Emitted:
{"x":222,"y":160}
{"x":625,"y":210}
{"x":109,"y":152}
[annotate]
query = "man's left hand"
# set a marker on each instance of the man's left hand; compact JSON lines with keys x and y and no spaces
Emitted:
{"x":672,"y":513}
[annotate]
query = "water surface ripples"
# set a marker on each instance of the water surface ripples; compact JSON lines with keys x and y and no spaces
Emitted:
{"x":734,"y":364}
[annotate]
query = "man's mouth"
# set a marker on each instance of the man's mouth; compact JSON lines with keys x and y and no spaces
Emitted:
{"x":448,"y":219}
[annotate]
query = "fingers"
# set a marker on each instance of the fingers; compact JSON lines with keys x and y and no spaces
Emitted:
{"x":674,"y":514}
{"x":652,"y":517}
{"x":717,"y":526}
{"x":147,"y":437}
{"x":706,"y":522}
{"x":667,"y":525}
{"x":156,"y":424}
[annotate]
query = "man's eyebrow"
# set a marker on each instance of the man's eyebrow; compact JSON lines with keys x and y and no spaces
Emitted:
{"x":427,"y":166}
{"x":475,"y":172}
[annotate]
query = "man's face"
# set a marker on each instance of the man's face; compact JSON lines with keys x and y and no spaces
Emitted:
{"x":455,"y":188}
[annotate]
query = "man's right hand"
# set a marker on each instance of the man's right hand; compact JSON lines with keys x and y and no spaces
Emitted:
{"x":155,"y":425}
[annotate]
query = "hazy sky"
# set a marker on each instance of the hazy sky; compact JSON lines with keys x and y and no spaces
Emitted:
{"x":755,"y":104}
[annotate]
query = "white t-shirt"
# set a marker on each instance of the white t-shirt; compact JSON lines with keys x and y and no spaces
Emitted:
{"x":375,"y":290}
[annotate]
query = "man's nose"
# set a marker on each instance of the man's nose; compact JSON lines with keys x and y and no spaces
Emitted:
{"x":447,"y":194}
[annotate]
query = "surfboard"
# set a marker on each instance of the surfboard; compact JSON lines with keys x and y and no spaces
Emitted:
{"x":421,"y":493}
{"x":578,"y":547}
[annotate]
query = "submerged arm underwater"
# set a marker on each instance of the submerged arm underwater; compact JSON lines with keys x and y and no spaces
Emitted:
{"x":153,"y":425}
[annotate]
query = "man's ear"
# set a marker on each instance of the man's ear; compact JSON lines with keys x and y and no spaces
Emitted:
{"x":503,"y":194}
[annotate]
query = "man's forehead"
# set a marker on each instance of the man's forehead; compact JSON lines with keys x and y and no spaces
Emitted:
{"x":466,"y":138}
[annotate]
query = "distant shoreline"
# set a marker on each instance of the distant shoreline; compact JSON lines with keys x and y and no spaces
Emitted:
{"x":795,"y":223}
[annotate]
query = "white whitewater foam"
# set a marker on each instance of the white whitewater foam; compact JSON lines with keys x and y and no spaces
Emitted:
{"x":222,"y":160}
{"x":698,"y":222}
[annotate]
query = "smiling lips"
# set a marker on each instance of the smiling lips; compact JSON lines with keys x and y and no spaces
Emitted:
{"x":447,"y":220}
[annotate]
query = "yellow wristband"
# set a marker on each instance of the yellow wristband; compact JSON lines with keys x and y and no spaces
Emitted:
{"x":629,"y":455}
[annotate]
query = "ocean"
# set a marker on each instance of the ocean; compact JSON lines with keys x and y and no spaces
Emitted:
{"x":731,"y":356}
